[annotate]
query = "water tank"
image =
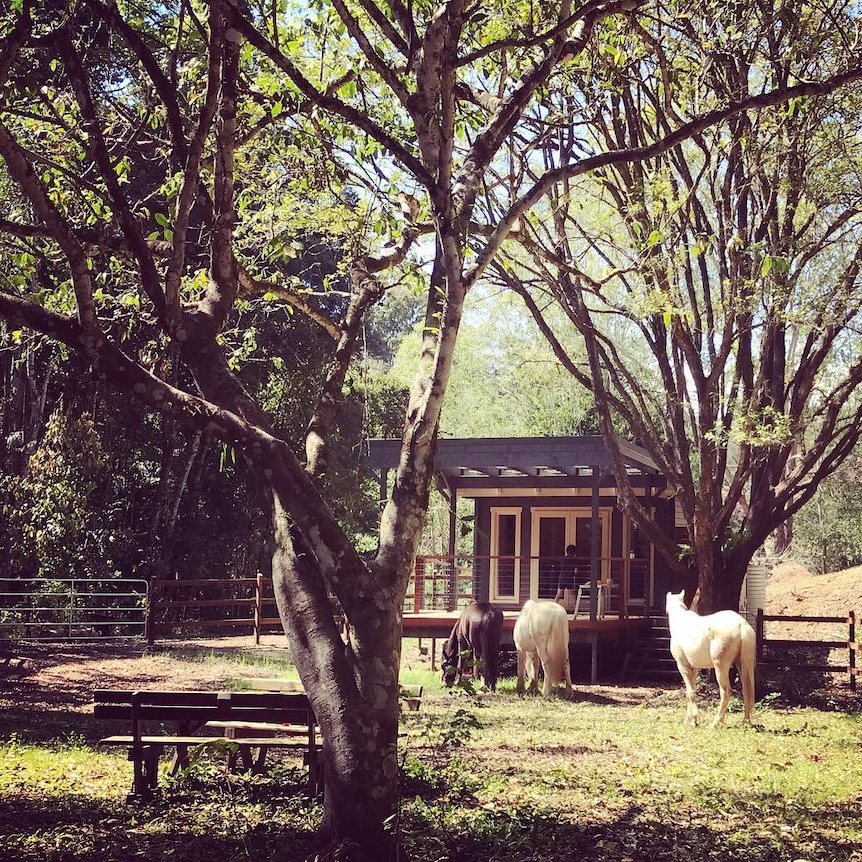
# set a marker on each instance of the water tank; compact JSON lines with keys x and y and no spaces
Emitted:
{"x":754,"y":590}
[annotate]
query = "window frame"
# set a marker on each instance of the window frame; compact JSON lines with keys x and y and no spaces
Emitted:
{"x":494,"y":593}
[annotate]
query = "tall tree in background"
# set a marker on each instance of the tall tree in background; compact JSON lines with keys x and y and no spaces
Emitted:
{"x":717,"y":285}
{"x":134,"y":131}
{"x":828,"y":531}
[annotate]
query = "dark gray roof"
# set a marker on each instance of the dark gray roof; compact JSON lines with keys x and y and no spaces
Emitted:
{"x":517,"y":457}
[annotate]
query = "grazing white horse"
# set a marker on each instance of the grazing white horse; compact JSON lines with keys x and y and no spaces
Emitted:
{"x":718,"y":641}
{"x":542,"y":635}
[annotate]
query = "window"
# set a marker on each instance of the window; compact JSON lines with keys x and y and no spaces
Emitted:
{"x":505,"y":554}
{"x":640,"y":564}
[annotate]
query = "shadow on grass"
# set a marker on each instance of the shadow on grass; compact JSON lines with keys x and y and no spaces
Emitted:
{"x":444,"y":819}
{"x":523,"y":834}
{"x":50,"y":725}
{"x":188,"y":825}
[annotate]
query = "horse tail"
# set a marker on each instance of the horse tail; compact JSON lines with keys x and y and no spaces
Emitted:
{"x":492,"y":623}
{"x":555,"y":647}
{"x":747,"y":661}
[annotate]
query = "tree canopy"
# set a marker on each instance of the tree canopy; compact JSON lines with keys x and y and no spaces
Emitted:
{"x":716,"y":285}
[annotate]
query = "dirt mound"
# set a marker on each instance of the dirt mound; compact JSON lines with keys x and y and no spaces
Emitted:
{"x":791,"y":590}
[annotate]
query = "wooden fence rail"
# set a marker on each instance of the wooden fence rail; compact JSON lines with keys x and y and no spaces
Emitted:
{"x":245,"y":603}
{"x":787,"y":659}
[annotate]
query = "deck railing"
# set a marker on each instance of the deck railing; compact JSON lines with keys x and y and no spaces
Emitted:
{"x":443,"y":582}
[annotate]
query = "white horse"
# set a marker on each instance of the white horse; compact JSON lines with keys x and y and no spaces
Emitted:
{"x":542,"y":635}
{"x":718,"y":640}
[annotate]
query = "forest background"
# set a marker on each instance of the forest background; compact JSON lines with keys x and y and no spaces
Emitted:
{"x":92,"y":485}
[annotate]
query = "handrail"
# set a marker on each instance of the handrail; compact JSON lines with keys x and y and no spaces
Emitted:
{"x":445,"y":581}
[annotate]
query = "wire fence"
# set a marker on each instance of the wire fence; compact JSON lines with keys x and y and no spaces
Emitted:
{"x":73,"y":608}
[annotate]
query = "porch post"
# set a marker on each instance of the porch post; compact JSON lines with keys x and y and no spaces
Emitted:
{"x":453,"y":567}
{"x":594,"y":576}
{"x":594,"y":550}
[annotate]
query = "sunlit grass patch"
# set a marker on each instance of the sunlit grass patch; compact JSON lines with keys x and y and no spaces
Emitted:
{"x":786,"y":784}
{"x":60,"y":770}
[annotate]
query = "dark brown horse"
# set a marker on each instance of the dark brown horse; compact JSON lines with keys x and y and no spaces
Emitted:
{"x":475,"y":636}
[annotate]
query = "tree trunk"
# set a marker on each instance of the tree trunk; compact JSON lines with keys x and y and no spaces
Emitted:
{"x":784,"y":536}
{"x":722,"y":590}
{"x":353,"y":688}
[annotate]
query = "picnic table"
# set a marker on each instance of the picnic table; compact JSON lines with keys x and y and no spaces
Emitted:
{"x":250,"y":722}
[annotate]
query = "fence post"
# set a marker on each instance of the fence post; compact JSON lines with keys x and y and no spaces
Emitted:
{"x":258,"y":607}
{"x":150,"y":619}
{"x":418,"y":584}
{"x":759,"y":631}
{"x":71,"y":615}
{"x":852,"y":642}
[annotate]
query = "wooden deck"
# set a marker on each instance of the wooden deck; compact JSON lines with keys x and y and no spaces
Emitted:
{"x":438,"y":624}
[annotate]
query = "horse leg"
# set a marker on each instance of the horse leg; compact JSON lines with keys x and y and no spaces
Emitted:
{"x":533,"y":671}
{"x":722,"y":674}
{"x":745,"y":664}
{"x":567,"y":672}
{"x":547,"y":683}
{"x":689,"y":678}
{"x":522,"y":661}
{"x":746,"y":675}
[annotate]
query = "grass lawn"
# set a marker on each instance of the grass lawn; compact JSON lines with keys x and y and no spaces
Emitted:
{"x":486,"y":777}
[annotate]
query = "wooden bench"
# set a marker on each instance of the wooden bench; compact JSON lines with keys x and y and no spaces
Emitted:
{"x":248,"y":721}
{"x":270,"y":684}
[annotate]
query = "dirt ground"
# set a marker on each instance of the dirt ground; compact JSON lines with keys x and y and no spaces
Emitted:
{"x":64,"y":675}
{"x":791,"y":590}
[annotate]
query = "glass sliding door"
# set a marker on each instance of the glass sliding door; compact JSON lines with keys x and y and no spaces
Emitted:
{"x":553,"y":530}
{"x":553,"y":538}
{"x":640,"y":580}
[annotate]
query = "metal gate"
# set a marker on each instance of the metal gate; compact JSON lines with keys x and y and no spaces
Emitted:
{"x":73,"y":608}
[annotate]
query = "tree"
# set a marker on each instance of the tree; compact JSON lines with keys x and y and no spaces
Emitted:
{"x":732,"y":263}
{"x":49,"y":511}
{"x":417,"y":113}
{"x":828,"y":529}
{"x":505,"y":382}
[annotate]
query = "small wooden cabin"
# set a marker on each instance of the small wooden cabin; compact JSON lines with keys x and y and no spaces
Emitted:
{"x":532,"y":498}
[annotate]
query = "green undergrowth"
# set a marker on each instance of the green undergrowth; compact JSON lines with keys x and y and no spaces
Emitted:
{"x":242,"y":658}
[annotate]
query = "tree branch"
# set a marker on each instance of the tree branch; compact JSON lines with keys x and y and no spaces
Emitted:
{"x":639,"y":154}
